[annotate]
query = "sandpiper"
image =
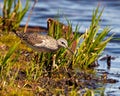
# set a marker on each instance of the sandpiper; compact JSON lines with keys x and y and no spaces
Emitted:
{"x":42,"y":43}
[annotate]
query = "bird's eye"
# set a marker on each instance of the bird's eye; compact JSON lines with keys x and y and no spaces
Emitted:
{"x":63,"y":43}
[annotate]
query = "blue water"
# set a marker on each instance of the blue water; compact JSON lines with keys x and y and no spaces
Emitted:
{"x":80,"y":12}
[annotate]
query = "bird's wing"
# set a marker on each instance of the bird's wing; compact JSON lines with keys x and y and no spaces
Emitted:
{"x":41,"y":42}
{"x":33,"y":38}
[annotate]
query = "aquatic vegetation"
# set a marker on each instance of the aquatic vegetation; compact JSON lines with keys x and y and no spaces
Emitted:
{"x":28,"y":72}
{"x":13,"y":13}
{"x":91,"y":43}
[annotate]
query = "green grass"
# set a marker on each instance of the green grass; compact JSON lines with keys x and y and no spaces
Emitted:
{"x":12,"y":16}
{"x":21,"y":68}
{"x":10,"y":52}
{"x":92,"y":43}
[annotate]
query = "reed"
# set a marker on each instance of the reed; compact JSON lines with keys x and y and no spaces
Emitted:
{"x":91,"y":44}
{"x":12,"y":14}
{"x":86,"y":47}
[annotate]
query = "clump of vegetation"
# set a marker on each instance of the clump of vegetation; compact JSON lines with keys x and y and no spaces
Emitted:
{"x":13,"y":13}
{"x":21,"y":67}
{"x":91,"y":44}
{"x":88,"y":46}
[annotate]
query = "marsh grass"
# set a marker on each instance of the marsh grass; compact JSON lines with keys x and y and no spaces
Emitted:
{"x":58,"y":30}
{"x":13,"y":13}
{"x":91,"y":43}
{"x":6,"y":66}
{"x":10,"y":52}
{"x":24,"y":69}
{"x":88,"y":46}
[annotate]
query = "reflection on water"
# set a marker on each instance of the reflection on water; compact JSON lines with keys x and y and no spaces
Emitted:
{"x":80,"y":11}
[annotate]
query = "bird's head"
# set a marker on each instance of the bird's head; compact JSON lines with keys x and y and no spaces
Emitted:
{"x":63,"y":43}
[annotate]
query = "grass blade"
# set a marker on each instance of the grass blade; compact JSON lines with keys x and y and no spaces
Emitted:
{"x":10,"y":52}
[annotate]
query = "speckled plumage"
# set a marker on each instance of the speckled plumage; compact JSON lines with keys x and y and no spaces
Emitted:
{"x":42,"y":43}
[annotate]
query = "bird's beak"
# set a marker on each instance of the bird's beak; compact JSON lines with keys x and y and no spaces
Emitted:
{"x":70,"y":50}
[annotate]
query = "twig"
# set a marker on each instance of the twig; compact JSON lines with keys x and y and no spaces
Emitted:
{"x":26,"y":25}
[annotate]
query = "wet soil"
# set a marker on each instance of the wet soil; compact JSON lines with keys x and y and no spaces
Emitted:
{"x":63,"y":80}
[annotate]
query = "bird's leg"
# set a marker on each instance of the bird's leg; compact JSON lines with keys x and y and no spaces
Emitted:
{"x":54,"y":58}
{"x":36,"y":58}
